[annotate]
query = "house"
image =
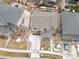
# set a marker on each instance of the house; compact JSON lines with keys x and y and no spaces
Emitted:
{"x":71,"y":2}
{"x":43,"y":22}
{"x":70,"y":29}
{"x":25,"y":16}
{"x":10,"y":19}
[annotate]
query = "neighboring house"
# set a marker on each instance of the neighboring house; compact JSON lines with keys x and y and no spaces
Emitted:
{"x":10,"y":19}
{"x":5,"y":30}
{"x":70,"y":28}
{"x":25,"y":16}
{"x":71,"y":2}
{"x":43,"y":23}
{"x":70,"y":31}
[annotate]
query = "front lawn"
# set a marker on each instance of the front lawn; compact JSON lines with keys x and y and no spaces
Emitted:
{"x":50,"y":56}
{"x":2,"y":53}
{"x":13,"y":45}
{"x":78,"y":54}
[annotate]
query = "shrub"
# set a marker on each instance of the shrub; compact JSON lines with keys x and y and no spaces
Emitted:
{"x":3,"y":37}
{"x":76,"y":8}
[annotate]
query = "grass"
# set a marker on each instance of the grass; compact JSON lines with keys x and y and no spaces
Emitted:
{"x":14,"y":45}
{"x":76,"y":8}
{"x":2,"y":53}
{"x":77,"y":54}
{"x":51,"y":56}
{"x":22,"y":45}
{"x":2,"y":42}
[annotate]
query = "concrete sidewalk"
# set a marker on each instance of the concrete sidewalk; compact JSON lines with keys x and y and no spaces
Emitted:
{"x":6,"y":57}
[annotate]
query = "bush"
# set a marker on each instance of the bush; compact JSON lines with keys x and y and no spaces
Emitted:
{"x":14,"y":35}
{"x":3,"y":37}
{"x":76,"y":8}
